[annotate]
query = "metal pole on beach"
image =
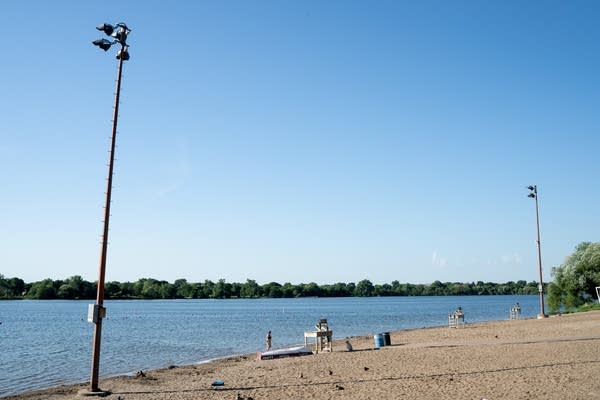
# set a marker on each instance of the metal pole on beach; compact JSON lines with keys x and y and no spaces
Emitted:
{"x":97,"y":311}
{"x":534,"y":195}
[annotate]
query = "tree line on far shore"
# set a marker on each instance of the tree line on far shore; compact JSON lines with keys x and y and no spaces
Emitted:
{"x":576,"y":283}
{"x":77,"y":288}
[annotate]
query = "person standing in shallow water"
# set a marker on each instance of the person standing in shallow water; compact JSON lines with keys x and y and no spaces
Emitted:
{"x":269,"y":341}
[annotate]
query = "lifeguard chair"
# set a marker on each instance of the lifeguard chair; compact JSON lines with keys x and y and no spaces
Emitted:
{"x":323,"y":336}
{"x":457,"y":318}
{"x":515,"y":312}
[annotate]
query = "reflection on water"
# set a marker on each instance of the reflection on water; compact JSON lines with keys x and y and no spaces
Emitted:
{"x":48,"y":343}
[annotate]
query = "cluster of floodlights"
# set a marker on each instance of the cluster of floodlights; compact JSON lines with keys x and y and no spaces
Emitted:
{"x":119,"y":33}
{"x":533,"y":193}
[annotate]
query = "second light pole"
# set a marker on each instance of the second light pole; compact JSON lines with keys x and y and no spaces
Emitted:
{"x":534,"y":195}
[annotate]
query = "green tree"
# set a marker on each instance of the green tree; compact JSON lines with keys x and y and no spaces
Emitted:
{"x":166,"y":290}
{"x":4,"y":291}
{"x":205,"y":290}
{"x":11,"y":288}
{"x":221,"y":290}
{"x":183,"y":289}
{"x":127,"y":289}
{"x":112,"y":290}
{"x":576,"y":279}
{"x":272,"y":290}
{"x":364,"y":288}
{"x":250,"y":289}
{"x":311,"y":290}
{"x":42,"y":290}
{"x":151,"y":289}
{"x":287,"y":290}
{"x":76,"y":288}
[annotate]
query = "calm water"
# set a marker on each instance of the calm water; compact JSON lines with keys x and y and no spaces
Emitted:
{"x":48,"y":343}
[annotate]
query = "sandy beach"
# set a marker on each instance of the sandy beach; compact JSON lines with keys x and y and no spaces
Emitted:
{"x":552,"y":358}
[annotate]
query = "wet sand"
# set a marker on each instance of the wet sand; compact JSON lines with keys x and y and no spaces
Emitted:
{"x":552,"y":358}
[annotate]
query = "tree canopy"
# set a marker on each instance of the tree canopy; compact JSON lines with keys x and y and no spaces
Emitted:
{"x":576,"y":279}
{"x":147,"y":288}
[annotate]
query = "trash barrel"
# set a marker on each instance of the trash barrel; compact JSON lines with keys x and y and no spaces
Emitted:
{"x":379,"y":341}
{"x":386,"y":339}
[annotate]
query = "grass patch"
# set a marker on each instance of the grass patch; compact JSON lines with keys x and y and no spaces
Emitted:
{"x":588,"y":307}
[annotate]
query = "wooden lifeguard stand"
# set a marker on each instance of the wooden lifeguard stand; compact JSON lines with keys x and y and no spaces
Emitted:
{"x":515,"y":312}
{"x":323,"y":337}
{"x":457,"y":318}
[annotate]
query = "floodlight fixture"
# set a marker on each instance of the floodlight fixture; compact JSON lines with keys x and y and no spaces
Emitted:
{"x":106,"y":28}
{"x":102,"y":43}
{"x":120,"y":34}
{"x":123,"y":53}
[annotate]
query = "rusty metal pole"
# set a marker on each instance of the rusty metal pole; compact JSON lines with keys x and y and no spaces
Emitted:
{"x":100,"y":294}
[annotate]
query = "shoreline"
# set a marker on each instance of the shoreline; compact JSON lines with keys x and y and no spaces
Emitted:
{"x":82,"y":384}
{"x":208,"y":335}
{"x":557,"y":357}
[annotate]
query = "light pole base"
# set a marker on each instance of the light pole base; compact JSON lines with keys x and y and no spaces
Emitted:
{"x":542,"y":316}
{"x":97,"y":392}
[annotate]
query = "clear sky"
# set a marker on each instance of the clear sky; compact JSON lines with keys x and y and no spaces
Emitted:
{"x":323,"y":141}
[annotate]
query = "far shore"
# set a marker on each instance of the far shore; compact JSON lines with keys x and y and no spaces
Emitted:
{"x":551,"y":358}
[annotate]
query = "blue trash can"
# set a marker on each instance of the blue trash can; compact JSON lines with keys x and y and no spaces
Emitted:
{"x":379,"y":341}
{"x":387,"y":340}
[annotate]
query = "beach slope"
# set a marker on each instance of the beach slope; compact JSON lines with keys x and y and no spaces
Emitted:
{"x":552,"y":358}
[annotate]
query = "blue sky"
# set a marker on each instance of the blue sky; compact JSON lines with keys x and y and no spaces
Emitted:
{"x":300,"y":141}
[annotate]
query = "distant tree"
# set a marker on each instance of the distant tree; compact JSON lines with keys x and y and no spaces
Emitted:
{"x":310,"y":290}
{"x":205,"y":290}
{"x":364,"y":288}
{"x":42,"y":290}
{"x":338,"y":289}
{"x":183,"y":290}
{"x":221,"y":290}
{"x":11,"y":288}
{"x":151,"y":289}
{"x":235,"y":290}
{"x":4,"y":291}
{"x":288,"y":290}
{"x":272,"y":290}
{"x":127,"y":289}
{"x":250,"y":289}
{"x":112,"y":290}
{"x":167,"y":290}
{"x":138,"y":287}
{"x":383,"y":290}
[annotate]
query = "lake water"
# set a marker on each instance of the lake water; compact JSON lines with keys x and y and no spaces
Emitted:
{"x":48,"y":343}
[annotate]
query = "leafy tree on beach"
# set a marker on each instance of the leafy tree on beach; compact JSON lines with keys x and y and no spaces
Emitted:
{"x":576,"y":279}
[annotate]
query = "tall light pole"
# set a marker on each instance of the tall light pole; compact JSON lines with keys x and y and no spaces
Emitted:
{"x":534,"y":195}
{"x":97,"y":311}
